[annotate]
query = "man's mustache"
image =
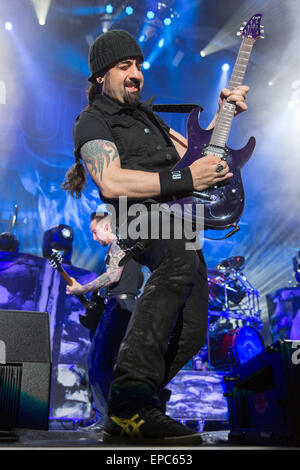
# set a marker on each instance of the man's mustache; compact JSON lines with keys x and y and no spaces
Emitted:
{"x":135,"y":83}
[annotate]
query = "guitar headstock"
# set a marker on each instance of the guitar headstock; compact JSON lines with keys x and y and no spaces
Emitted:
{"x":55,"y":260}
{"x":252,"y":28}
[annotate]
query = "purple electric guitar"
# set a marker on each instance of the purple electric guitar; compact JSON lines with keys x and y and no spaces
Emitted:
{"x":223,"y":203}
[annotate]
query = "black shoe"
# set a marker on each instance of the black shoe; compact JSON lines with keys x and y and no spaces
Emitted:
{"x":163,"y":396}
{"x":97,"y":426}
{"x":148,"y":426}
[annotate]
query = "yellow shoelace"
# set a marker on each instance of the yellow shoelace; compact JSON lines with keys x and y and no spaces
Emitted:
{"x":129,"y":426}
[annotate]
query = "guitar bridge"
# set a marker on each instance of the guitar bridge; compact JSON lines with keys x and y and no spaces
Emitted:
{"x":221,"y":152}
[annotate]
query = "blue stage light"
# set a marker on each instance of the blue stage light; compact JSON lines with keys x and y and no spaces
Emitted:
{"x":225,"y":67}
{"x":146,"y":65}
{"x":109,"y":9}
{"x":66,"y":232}
{"x":142,"y":38}
{"x":8,"y":26}
{"x":59,"y":238}
{"x":150,"y":15}
{"x":167,"y":21}
{"x":128,"y":10}
{"x":161,"y":42}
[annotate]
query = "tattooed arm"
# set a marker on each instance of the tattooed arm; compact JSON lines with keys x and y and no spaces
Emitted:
{"x":111,"y":276}
{"x":103,"y":163}
{"x":104,"y":166}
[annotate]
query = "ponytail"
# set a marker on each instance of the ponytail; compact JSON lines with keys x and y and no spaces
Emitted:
{"x":94,"y":90}
{"x":76,"y":176}
{"x":75,"y":180}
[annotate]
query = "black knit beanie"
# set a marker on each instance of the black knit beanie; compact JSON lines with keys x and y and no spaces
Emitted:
{"x":111,"y":47}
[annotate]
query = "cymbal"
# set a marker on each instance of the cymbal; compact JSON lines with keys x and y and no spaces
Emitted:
{"x":231,"y":263}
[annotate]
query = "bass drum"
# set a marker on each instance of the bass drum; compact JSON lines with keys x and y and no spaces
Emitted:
{"x":234,"y":347}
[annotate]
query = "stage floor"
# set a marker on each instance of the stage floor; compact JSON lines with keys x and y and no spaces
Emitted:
{"x":77,"y":439}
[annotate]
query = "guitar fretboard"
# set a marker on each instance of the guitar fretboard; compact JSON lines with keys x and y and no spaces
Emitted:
{"x":224,"y":120}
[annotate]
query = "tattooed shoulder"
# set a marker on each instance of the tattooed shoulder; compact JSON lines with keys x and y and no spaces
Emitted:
{"x":116,"y":255}
{"x":97,"y":154}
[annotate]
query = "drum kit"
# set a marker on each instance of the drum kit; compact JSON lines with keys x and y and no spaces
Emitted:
{"x":234,"y":316}
{"x":231,"y":295}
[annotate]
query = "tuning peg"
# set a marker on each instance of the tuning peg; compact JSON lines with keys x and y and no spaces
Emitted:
{"x":262,"y":37}
{"x":241,"y":28}
{"x":262,"y":31}
{"x":244,"y":23}
{"x":238,"y":33}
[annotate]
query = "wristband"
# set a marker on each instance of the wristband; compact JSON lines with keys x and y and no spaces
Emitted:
{"x":175,"y":182}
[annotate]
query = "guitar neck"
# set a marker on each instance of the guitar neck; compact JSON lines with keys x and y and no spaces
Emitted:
{"x":65,"y":275}
{"x":224,"y":120}
{"x":68,"y":280}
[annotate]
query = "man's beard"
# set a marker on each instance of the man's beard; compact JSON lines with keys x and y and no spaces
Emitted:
{"x":132,"y":97}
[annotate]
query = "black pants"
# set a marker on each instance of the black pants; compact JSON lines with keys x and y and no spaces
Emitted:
{"x":104,"y":349}
{"x":169,"y":323}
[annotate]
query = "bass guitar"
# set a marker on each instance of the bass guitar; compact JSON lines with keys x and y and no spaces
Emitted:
{"x":223,"y":203}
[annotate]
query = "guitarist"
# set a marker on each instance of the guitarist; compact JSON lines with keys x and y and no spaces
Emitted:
{"x":130,"y":151}
{"x":122,"y":286}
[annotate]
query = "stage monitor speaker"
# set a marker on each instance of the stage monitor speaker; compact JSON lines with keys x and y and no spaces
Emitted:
{"x":25,"y":369}
{"x":263,"y":397}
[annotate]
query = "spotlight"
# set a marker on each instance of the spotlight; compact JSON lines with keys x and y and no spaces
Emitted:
{"x":161,"y":42}
{"x":142,"y":38}
{"x":59,"y":239}
{"x":202,"y":53}
{"x":225,"y":67}
{"x":150,"y":15}
{"x":146,"y":65}
{"x":167,"y":21}
{"x":109,"y":9}
{"x":67,"y":232}
{"x":8,"y":26}
{"x":129,"y":10}
{"x":270,"y":83}
{"x":41,"y":8}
